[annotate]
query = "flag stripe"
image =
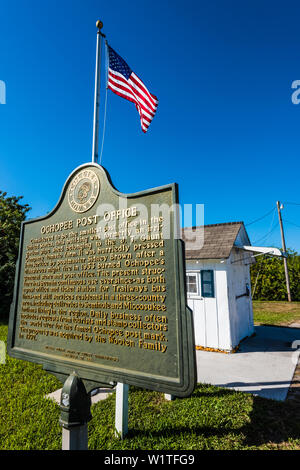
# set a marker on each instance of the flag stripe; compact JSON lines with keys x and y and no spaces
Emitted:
{"x":119,"y":79}
{"x":120,"y":92}
{"x":127,"y":93}
{"x":126,"y":84}
{"x":141,"y":95}
{"x":119,"y":82}
{"x":139,"y":83}
{"x":122,"y":85}
{"x":142,"y":84}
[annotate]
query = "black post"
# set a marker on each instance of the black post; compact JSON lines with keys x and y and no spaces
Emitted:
{"x":75,"y":405}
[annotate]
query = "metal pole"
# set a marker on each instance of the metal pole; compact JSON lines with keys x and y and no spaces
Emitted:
{"x":99,"y":25}
{"x":75,"y":438}
{"x":287,"y":279}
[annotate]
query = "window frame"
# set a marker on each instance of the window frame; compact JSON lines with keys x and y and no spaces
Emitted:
{"x":210,"y":282}
{"x":196,"y":274}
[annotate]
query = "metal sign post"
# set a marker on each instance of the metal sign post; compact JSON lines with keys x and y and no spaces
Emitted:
{"x":75,"y":404}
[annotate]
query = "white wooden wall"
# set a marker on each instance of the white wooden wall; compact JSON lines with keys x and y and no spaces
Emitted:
{"x":211,"y":315}
{"x":223,"y":321}
{"x":241,"y":313}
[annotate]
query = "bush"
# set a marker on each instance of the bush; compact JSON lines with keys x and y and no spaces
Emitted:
{"x":12,"y":214}
{"x":268,"y":278}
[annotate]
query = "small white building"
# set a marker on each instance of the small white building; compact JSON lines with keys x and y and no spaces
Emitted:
{"x":218,"y":259}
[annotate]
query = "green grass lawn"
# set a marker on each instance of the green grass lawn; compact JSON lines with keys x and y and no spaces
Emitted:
{"x":212,"y":418}
{"x":276,"y":313}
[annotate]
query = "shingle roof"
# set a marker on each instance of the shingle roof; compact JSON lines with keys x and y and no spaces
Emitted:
{"x":210,"y":241}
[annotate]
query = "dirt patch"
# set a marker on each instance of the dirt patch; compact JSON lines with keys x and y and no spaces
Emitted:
{"x":278,"y":307}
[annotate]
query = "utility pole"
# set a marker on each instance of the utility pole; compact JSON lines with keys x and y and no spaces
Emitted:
{"x":287,"y":279}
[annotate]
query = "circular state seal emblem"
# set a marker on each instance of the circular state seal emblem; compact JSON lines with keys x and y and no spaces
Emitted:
{"x":83,"y":190}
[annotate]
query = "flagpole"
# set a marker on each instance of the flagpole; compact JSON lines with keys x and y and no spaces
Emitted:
{"x":99,"y":25}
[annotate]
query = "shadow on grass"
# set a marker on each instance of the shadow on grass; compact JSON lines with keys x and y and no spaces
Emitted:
{"x":268,"y":424}
{"x":273,"y":422}
{"x":205,"y":431}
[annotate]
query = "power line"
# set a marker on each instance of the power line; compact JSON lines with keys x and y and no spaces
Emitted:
{"x":260,"y":218}
{"x":269,"y":233}
{"x":293,"y":203}
{"x":270,"y":228}
{"x":289,"y":222}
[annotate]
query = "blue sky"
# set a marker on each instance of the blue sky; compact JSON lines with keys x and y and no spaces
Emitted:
{"x":226,"y":129}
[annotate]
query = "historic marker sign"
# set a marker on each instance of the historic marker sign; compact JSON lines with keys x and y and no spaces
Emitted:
{"x":100,"y":288}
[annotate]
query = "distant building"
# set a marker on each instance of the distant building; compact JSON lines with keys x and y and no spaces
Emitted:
{"x":218,"y":283}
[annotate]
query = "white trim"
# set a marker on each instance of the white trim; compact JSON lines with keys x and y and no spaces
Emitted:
{"x":197,"y":294}
{"x":267,"y":250}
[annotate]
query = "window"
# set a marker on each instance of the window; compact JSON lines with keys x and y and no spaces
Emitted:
{"x":207,"y":283}
{"x":192,"y":284}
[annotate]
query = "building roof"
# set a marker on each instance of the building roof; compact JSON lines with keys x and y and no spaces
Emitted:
{"x":211,"y":241}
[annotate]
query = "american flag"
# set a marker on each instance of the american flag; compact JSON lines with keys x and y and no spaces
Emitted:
{"x":124,"y":82}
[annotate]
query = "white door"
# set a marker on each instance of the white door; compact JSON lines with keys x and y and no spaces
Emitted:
{"x":201,"y":296}
{"x":242,"y":301}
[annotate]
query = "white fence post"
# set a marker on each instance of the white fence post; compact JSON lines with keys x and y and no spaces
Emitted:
{"x":121,"y":417}
{"x":169,"y":397}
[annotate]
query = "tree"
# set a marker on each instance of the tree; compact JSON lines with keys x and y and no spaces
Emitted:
{"x":12,"y":214}
{"x":268,"y":277}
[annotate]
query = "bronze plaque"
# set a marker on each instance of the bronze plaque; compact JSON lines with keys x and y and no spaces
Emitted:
{"x":100,"y":287}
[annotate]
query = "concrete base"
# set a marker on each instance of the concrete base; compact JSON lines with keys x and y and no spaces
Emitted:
{"x":101,"y":394}
{"x":264,"y":365}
